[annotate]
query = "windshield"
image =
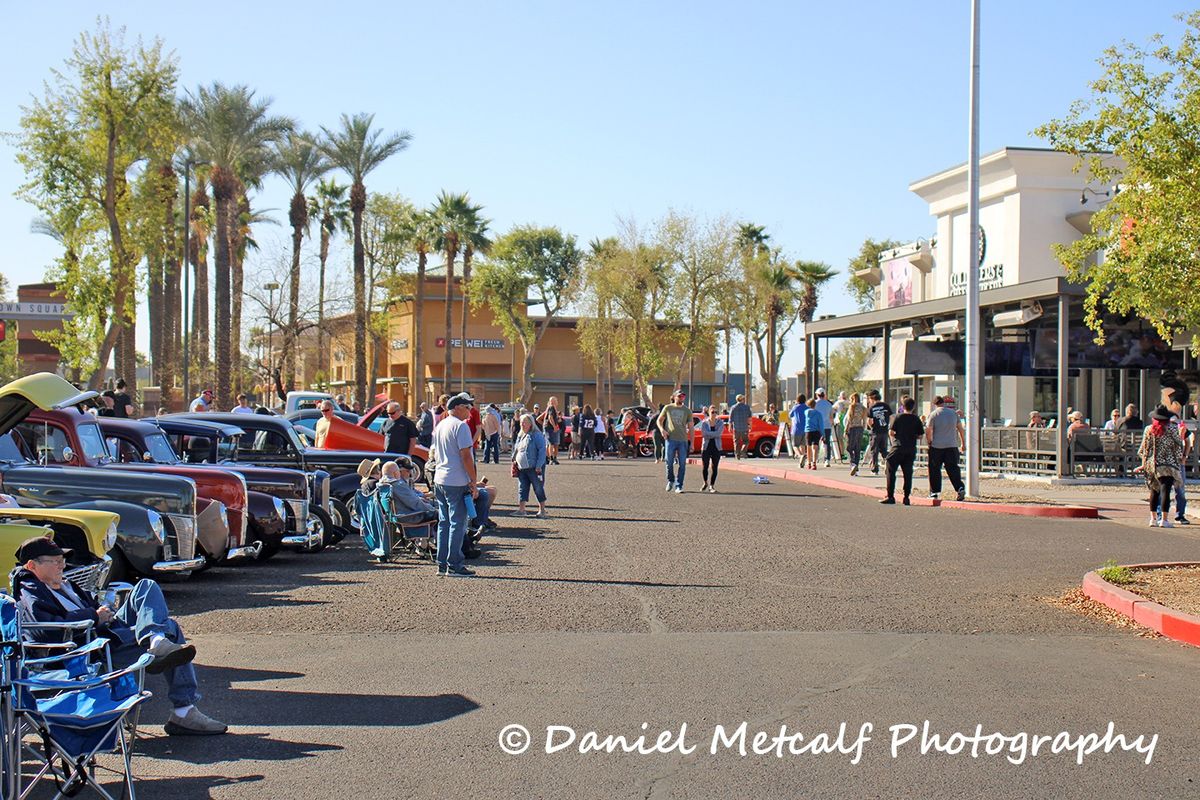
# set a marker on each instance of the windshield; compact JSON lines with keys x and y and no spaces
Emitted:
{"x":8,"y":449}
{"x":227,"y":447}
{"x":92,"y":441}
{"x":160,"y":449}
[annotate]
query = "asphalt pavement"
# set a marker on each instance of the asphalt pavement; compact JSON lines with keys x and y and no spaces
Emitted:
{"x":633,"y":612}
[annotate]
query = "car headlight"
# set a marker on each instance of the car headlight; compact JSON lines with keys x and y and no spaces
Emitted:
{"x":156,"y":525}
{"x":110,"y":536}
{"x":280,"y":508}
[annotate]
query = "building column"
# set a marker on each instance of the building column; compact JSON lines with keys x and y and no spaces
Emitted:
{"x":808,"y":363}
{"x":1144,"y":393}
{"x":887,"y":360}
{"x":1064,"y":330}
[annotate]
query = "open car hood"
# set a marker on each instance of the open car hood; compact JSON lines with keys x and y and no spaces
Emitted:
{"x":42,"y":390}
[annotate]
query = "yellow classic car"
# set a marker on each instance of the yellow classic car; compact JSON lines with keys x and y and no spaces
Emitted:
{"x":88,"y":534}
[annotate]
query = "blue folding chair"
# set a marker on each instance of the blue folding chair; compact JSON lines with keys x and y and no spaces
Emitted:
{"x":76,"y":713}
{"x":376,"y":534}
{"x":10,"y":667}
{"x":416,"y":531}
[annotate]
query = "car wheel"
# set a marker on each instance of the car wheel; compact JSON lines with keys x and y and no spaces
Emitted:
{"x":319,"y":520}
{"x":342,"y":518}
{"x":765,"y":448}
{"x":645,"y":449}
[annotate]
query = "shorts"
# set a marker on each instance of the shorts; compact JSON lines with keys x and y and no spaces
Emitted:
{"x":553,"y":437}
{"x":813,"y":437}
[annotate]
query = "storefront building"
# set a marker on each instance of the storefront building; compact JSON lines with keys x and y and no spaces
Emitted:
{"x":493,"y":363}
{"x":1030,"y":200}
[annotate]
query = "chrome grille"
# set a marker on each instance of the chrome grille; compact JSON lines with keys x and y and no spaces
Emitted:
{"x":92,"y":577}
{"x":184,"y":538}
{"x":299,"y":510}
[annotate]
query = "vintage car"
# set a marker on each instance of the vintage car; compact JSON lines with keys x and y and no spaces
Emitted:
{"x":257,"y":440}
{"x":762,"y":436}
{"x":68,"y":437}
{"x":87,"y":534}
{"x":157,"y":528}
{"x":262,"y":524}
{"x":273,"y":441}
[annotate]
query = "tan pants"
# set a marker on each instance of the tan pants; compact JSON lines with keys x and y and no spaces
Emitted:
{"x":741,"y":440}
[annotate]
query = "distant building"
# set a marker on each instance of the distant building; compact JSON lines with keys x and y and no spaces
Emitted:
{"x":33,"y":354}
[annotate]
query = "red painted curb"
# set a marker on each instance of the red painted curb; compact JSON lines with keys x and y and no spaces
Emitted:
{"x":1177,"y":625}
{"x":801,"y":476}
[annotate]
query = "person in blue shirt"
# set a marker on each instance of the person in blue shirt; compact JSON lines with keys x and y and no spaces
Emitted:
{"x":799,"y":448}
{"x":814,"y":427}
{"x":826,"y":409}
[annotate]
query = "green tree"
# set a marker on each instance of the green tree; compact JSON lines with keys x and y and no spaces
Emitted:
{"x":233,"y":130}
{"x":357,"y":149}
{"x":753,"y":246}
{"x":331,"y":208}
{"x":451,"y":213}
{"x":387,"y":221}
{"x":475,"y":239}
{"x":867,"y":258}
{"x":527,"y":264}
{"x":99,"y":118}
{"x":421,"y":237}
{"x":298,"y":161}
{"x":846,"y":362}
{"x":1140,"y":126}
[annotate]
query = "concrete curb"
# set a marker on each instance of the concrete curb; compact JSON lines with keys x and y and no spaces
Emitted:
{"x":1177,"y":625}
{"x":803,"y":476}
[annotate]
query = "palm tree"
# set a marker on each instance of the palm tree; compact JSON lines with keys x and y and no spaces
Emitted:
{"x":421,"y":238}
{"x":811,"y":275}
{"x":300,"y":163}
{"x":451,"y":215}
{"x":475,"y":240}
{"x":751,"y":242}
{"x":331,"y":208}
{"x":356,"y":150}
{"x":777,"y":282}
{"x":202,"y":225}
{"x":230,"y":128}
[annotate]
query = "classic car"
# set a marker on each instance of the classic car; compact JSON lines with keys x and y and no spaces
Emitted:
{"x":88,"y":534}
{"x":256,"y":440}
{"x":68,"y":437}
{"x":308,"y":416}
{"x":762,"y":436}
{"x":262,"y":525}
{"x":157,"y":528}
{"x":273,"y":441}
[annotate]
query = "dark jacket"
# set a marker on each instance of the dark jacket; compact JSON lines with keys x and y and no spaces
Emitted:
{"x":36,"y":602}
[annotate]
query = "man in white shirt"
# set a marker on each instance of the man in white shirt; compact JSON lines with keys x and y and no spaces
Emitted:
{"x":453,"y":482}
{"x":243,"y":405}
{"x":203,"y":402}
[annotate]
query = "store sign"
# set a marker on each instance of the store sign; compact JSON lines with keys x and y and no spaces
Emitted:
{"x":399,"y":344}
{"x":34,"y":311}
{"x":990,"y":277}
{"x":473,"y":344}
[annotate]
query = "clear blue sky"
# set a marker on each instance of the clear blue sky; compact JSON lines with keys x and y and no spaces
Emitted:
{"x":808,"y":118}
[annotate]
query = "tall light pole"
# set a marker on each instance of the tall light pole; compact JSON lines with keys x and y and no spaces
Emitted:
{"x":271,"y":288}
{"x":974,"y":333}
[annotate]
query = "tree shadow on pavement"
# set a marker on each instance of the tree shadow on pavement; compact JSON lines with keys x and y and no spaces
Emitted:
{"x":175,"y":787}
{"x":229,"y":747}
{"x":601,"y":582}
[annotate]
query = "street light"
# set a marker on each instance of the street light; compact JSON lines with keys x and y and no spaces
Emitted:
{"x":974,"y":321}
{"x":271,"y":288}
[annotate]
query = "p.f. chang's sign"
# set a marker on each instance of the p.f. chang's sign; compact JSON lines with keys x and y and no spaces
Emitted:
{"x":990,"y":277}
{"x":473,"y":344}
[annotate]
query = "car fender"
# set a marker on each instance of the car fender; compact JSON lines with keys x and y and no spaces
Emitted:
{"x":135,"y":534}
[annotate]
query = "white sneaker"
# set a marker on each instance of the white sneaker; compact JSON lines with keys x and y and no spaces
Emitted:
{"x":1153,"y":521}
{"x":712,"y":490}
{"x":1166,"y":523}
{"x":678,"y":490}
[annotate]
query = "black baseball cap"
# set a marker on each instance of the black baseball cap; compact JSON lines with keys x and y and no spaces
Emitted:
{"x":38,"y":547}
{"x":462,"y":398}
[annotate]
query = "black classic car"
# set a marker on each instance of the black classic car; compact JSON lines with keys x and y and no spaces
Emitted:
{"x":273,"y":442}
{"x":232,"y":441}
{"x":265,"y":523}
{"x":157,"y":528}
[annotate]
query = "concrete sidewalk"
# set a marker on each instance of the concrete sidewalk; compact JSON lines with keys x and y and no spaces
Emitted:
{"x":1121,"y":500}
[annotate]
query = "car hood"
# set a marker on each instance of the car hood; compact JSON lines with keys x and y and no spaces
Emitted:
{"x":42,"y":390}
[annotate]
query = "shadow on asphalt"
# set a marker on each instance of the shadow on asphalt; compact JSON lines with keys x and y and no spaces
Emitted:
{"x":233,"y":746}
{"x":616,"y":519}
{"x":177,"y":787}
{"x":599,"y":582}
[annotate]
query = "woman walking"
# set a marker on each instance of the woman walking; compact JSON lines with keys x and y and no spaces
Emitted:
{"x":855,"y":422}
{"x":529,"y":461}
{"x":552,"y":426}
{"x":1161,"y":452}
{"x":711,"y":429}
{"x":601,"y":433}
{"x":587,"y":431}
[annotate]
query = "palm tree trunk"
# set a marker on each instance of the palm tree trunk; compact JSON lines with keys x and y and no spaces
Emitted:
{"x":772,"y":387}
{"x":322,"y":359}
{"x":223,"y":193}
{"x":169,"y":330}
{"x":198,"y":256}
{"x":448,"y":356}
{"x":462,"y":356}
{"x":237,"y":253}
{"x":746,"y":368}
{"x":358,"y":203}
{"x":373,"y":341}
{"x":416,"y":375}
{"x":298,"y":217}
{"x":728,"y":336}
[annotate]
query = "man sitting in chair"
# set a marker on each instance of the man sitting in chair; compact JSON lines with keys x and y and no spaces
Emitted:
{"x":406,"y":501}
{"x":142,"y":625}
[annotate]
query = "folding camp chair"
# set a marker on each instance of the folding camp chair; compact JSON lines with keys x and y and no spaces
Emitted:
{"x":417,"y":533}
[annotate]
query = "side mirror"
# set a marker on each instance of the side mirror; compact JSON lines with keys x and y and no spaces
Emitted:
{"x":68,"y":455}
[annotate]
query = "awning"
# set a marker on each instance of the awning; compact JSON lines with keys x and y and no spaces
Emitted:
{"x":872,"y":371}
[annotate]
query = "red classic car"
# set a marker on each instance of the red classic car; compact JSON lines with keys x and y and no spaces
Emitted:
{"x":762,"y":436}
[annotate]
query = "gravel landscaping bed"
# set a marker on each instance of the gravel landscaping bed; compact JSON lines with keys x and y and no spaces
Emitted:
{"x":1174,"y":587}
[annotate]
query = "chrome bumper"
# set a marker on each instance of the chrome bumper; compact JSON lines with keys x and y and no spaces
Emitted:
{"x":250,"y":551}
{"x":311,"y":539}
{"x":183,"y":565}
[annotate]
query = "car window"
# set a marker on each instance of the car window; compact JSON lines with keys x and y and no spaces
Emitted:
{"x":124,"y":450}
{"x":45,"y":441}
{"x":92,"y":442}
{"x":160,"y":449}
{"x":10,"y":450}
{"x":262,"y":443}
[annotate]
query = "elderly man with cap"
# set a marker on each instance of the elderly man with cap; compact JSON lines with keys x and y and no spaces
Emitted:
{"x":675,"y":421}
{"x":454,"y":481}
{"x":141,"y":625}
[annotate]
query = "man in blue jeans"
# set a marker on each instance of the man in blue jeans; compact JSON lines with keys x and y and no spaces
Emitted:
{"x":454,"y":480}
{"x":141,"y":625}
{"x":675,"y":423}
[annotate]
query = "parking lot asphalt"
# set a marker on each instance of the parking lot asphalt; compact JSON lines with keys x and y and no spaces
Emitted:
{"x":774,"y":605}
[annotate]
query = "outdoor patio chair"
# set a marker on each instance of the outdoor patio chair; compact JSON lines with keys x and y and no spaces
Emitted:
{"x":1087,"y":453}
